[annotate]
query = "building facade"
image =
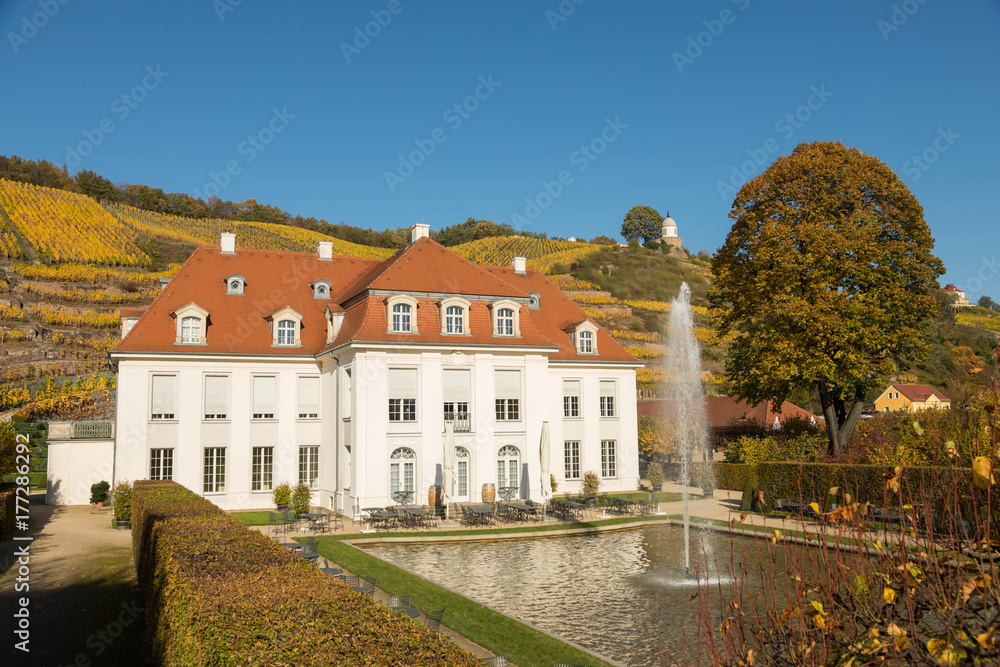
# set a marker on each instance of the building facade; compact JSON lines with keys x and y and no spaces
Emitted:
{"x":256,"y":367}
{"x":911,"y":398}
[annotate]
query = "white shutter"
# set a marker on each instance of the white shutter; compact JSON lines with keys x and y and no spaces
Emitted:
{"x":508,"y":384}
{"x":571,"y":388}
{"x":607,"y":388}
{"x":164,"y":393}
{"x":308,"y":397}
{"x":402,"y":383}
{"x":216,"y":388}
{"x":456,"y":386}
{"x":263,"y":395}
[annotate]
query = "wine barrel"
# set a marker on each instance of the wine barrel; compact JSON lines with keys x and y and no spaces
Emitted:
{"x":434,"y":495}
{"x":489,"y":492}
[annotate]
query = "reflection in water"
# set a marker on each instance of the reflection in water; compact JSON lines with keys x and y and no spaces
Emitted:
{"x":618,"y":594}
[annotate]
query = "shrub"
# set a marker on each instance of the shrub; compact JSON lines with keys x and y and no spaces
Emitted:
{"x":217,"y":593}
{"x":655,"y":475}
{"x":99,"y":492}
{"x":282,"y":494}
{"x":806,"y":447}
{"x":591,"y":482}
{"x":301,"y":499}
{"x":121,"y":500}
{"x":6,"y":513}
{"x":552,"y":483}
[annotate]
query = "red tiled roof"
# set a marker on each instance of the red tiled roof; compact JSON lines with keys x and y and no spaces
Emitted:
{"x":725,"y":411}
{"x":950,"y":288}
{"x":919,"y":392}
{"x":274,"y":280}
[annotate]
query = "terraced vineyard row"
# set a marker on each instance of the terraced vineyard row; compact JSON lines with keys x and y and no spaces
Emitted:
{"x":980,"y":318}
{"x":92,"y":275}
{"x":540,"y":253}
{"x":256,"y":235}
{"x":64,"y":226}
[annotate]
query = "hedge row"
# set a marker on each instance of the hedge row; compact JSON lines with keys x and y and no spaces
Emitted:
{"x":6,"y":513}
{"x":807,"y":482}
{"x":219,"y":594}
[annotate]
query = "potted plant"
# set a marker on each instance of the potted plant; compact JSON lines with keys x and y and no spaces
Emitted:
{"x":655,"y":476}
{"x":99,"y":493}
{"x":553,"y":484}
{"x":301,"y":499}
{"x":282,"y":495}
{"x":121,"y":501}
{"x":591,"y":482}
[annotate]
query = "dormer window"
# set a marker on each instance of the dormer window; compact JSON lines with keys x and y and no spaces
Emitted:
{"x":191,"y":325}
{"x":286,"y":327}
{"x":584,"y":337}
{"x":455,"y":316}
{"x":586,"y":342}
{"x":402,"y":314}
{"x":321,"y":289}
{"x":235,"y":284}
{"x":534,"y":300}
{"x":505,"y":318}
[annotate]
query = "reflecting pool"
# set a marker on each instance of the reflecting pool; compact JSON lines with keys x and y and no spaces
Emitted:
{"x":619,"y":594}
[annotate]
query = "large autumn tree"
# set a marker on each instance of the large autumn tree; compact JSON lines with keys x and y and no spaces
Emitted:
{"x":823,"y":280}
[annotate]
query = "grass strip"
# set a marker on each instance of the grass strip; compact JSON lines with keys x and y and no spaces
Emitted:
{"x":493,"y":631}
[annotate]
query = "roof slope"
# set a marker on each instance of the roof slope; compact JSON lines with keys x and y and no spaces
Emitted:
{"x":919,"y":392}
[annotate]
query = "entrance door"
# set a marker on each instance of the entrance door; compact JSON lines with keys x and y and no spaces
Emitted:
{"x":461,"y":475}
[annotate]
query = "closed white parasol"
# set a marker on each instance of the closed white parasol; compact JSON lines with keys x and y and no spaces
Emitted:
{"x":448,"y":467}
{"x":543,"y":455}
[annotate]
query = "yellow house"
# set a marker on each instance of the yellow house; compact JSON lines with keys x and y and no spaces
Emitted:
{"x":911,"y":398}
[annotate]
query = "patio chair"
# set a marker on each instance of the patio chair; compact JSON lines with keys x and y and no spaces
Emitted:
{"x":367,"y":585}
{"x":399,"y":601}
{"x":288,"y":520}
{"x":433,"y":620}
{"x":496,"y":661}
{"x":351,"y":580}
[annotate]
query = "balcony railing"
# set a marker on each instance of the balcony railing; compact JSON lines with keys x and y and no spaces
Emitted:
{"x":461,"y":421}
{"x":93,"y":430}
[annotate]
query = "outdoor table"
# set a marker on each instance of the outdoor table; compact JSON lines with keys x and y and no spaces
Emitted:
{"x":417,"y":515}
{"x":402,"y":497}
{"x":522,"y":509}
{"x":575,"y":508}
{"x":332,"y":571}
{"x":370,"y":511}
{"x":508,"y":492}
{"x":383,"y":518}
{"x":412,"y":612}
{"x":311,"y":518}
{"x":308,"y":555}
{"x":481,"y":510}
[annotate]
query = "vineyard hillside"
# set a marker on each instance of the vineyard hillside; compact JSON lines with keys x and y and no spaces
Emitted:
{"x":541,"y":254}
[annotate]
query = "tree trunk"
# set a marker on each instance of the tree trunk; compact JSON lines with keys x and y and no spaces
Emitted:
{"x":839,"y":423}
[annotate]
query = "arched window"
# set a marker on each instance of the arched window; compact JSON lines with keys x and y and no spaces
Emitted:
{"x":401,"y":318}
{"x":508,"y":468}
{"x":455,"y":320}
{"x":461,"y":474}
{"x":586,"y":342}
{"x":191,"y":330}
{"x":505,"y":322}
{"x":402,"y":465}
{"x":286,"y":332}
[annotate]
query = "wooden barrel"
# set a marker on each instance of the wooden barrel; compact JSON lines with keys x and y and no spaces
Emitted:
{"x":434,"y":495}
{"x":489,"y":492}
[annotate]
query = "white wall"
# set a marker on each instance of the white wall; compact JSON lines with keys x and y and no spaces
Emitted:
{"x":73,"y":466}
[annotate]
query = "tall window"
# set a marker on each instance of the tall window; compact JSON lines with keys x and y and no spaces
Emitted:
{"x":505,"y":322}
{"x":216,"y":396}
{"x":161,"y":464}
{"x":286,"y":332}
{"x":455,"y":320}
{"x":461,"y":474}
{"x":309,"y":466}
{"x":609,"y":461}
{"x":457,"y":393}
{"x":401,"y":318}
{"x":163,"y":403}
{"x":262,"y":471}
{"x":308,"y":398}
{"x":586,"y":342}
{"x":401,"y":470}
{"x":191,"y":330}
{"x":508,"y":395}
{"x":607,"y":398}
{"x":264,"y":396}
{"x":571,"y":450}
{"x":571,"y":398}
{"x":402,"y":394}
{"x":508,"y":466}
{"x":215,"y":470}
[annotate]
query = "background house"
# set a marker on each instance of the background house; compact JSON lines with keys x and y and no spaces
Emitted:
{"x":911,"y":398}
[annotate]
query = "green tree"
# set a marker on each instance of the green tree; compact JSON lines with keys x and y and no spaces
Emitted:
{"x":642,"y":223}
{"x":987,"y":302}
{"x":823,"y":281}
{"x":603,"y":240}
{"x":96,"y":186}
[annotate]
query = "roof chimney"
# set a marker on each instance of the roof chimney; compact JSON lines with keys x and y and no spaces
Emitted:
{"x":163,"y":283}
{"x":325,"y":250}
{"x":420,"y":231}
{"x":227,"y":243}
{"x":519,"y":264}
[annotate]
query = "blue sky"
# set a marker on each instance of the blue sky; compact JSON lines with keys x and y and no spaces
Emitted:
{"x":553,"y":116}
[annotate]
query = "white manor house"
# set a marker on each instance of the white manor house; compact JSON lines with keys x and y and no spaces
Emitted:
{"x":255,"y":367}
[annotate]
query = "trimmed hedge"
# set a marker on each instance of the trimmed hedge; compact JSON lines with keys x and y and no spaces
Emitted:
{"x":217,"y":593}
{"x":6,"y":513}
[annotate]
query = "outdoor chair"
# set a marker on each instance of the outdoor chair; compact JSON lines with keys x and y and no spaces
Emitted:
{"x":399,"y":601}
{"x":497,"y":661}
{"x":351,"y":580}
{"x":288,"y":520}
{"x":367,"y":585}
{"x":433,"y":620}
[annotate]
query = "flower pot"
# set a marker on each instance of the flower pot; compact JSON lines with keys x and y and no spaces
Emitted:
{"x":99,"y":504}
